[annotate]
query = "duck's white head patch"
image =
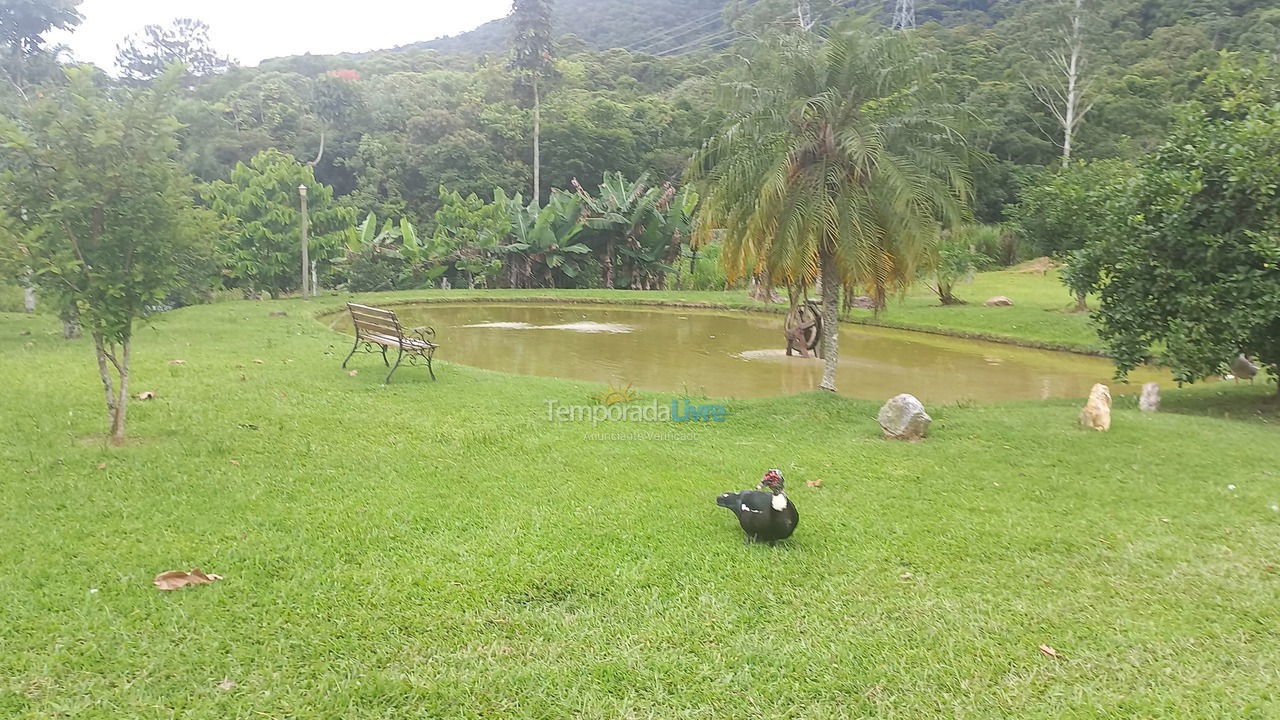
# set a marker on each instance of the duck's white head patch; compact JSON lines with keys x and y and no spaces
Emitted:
{"x":779,"y":502}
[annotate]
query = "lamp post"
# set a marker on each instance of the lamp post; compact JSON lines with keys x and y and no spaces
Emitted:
{"x":306,"y":250}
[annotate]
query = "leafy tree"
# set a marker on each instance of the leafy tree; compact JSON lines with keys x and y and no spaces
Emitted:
{"x":390,"y":258}
{"x":23,"y":24}
{"x":1063,"y":210}
{"x":111,"y":227}
{"x":956,"y":258}
{"x":185,"y":41}
{"x":261,"y":204}
{"x":533,"y":63}
{"x":469,"y":233}
{"x":1195,"y":261}
{"x":837,"y":161}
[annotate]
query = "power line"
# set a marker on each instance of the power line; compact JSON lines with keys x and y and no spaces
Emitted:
{"x":667,"y":33}
{"x":721,"y":36}
{"x":712,"y":23}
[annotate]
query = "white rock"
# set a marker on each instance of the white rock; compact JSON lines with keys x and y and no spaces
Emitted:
{"x":999,"y":301}
{"x":1150,"y":401}
{"x":1097,"y":412}
{"x":904,"y":418}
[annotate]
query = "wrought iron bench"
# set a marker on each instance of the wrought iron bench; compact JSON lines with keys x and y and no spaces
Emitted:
{"x":379,"y":330}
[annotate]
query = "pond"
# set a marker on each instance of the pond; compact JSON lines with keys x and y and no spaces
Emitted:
{"x":724,"y":353}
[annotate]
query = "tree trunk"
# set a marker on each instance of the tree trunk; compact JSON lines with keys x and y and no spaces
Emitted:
{"x":70,"y":324}
{"x":830,"y":320}
{"x":29,"y":299}
{"x":105,"y":373}
{"x":1082,"y":303}
{"x":537,"y":142}
{"x":608,"y":264}
{"x":122,"y":398}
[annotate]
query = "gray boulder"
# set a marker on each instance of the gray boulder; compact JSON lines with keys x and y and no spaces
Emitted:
{"x":904,"y":418}
{"x":1150,"y":400}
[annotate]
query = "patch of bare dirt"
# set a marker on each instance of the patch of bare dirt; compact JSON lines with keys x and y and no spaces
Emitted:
{"x":1039,"y":265}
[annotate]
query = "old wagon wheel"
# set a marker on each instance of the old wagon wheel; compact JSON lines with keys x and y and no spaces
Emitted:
{"x":806,"y":319}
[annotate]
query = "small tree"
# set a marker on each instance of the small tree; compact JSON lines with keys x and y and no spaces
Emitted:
{"x":110,"y":226}
{"x":956,"y":259}
{"x":533,"y":64}
{"x":1195,"y":265}
{"x":261,"y":204}
{"x":1065,"y":209}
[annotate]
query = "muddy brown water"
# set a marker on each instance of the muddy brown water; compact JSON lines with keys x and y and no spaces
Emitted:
{"x":723,"y":353}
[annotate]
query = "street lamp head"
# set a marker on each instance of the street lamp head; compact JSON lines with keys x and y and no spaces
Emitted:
{"x":302,"y":190}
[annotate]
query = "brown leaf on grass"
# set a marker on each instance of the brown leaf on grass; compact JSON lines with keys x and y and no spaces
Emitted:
{"x":102,"y":466}
{"x":1050,"y":652}
{"x":146,"y":396}
{"x":235,"y":462}
{"x":353,"y":373}
{"x":243,"y":378}
{"x":813,"y":483}
{"x":227,"y":684}
{"x":257,"y":362}
{"x":178,"y":579}
{"x":177,"y":362}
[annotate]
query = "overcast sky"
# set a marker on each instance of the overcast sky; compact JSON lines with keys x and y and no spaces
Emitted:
{"x":253,"y":30}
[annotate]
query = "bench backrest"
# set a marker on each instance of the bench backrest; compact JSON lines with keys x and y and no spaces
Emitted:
{"x":374,"y":321}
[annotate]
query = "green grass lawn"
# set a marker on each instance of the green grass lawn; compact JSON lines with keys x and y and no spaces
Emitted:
{"x":441,"y":550}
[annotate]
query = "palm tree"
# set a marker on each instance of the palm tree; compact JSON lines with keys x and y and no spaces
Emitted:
{"x":837,"y":162}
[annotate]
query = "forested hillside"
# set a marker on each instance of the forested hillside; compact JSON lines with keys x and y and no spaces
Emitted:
{"x":633,"y":90}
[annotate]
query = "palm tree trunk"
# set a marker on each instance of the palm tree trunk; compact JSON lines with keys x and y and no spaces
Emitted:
{"x":537,"y":142}
{"x":830,"y":319}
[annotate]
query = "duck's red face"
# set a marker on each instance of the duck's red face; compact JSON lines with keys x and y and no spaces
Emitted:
{"x":772,"y":480}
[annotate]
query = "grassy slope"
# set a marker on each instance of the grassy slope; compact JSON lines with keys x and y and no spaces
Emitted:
{"x":440,"y":550}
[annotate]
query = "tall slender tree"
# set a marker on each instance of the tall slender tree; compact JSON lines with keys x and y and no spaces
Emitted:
{"x":837,"y":161}
{"x":1065,"y":87}
{"x":534,"y":67}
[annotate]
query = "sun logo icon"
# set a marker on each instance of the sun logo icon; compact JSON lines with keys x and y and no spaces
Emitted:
{"x":617,"y":395}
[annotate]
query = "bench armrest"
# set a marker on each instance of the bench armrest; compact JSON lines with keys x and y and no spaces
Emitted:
{"x":425,"y":334}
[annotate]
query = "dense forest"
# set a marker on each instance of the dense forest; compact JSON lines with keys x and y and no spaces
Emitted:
{"x":632,"y":90}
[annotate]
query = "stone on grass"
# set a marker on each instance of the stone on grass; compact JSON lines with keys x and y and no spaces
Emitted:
{"x":1097,"y":412}
{"x":999,"y":301}
{"x":1150,"y":400}
{"x":904,"y":418}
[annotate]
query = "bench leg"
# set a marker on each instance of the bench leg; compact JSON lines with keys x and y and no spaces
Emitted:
{"x":350,"y":354}
{"x":384,"y":356}
{"x":431,"y":353}
{"x":393,"y":370}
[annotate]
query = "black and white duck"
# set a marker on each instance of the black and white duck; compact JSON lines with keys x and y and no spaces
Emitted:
{"x":765,"y":514}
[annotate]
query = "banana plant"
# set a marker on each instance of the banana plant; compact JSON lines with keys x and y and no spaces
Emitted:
{"x":544,"y":244}
{"x":638,"y":227}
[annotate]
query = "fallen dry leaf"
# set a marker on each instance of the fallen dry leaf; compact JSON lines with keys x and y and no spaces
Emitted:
{"x":177,"y":362}
{"x":813,"y":483}
{"x":178,"y":579}
{"x":102,"y":466}
{"x":257,"y":362}
{"x":146,"y":396}
{"x":227,"y":684}
{"x":905,"y":576}
{"x":354,"y":373}
{"x":235,"y":462}
{"x":1050,"y":652}
{"x":243,"y":378}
